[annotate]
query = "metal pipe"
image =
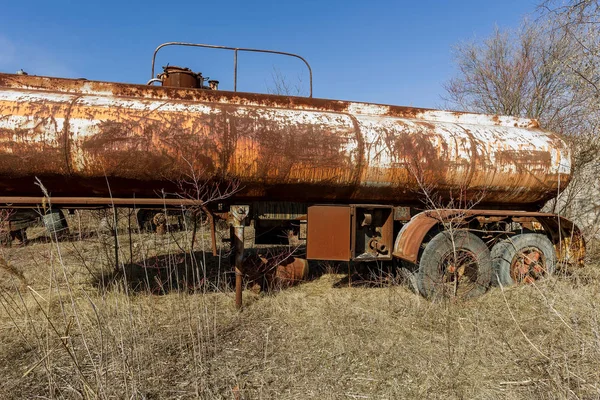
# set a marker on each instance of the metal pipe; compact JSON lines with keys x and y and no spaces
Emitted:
{"x":238,"y":284}
{"x":116,"y":233}
{"x":235,"y":50}
{"x":151,"y":81}
{"x":213,"y":233}
{"x":15,"y":201}
{"x":238,"y":215}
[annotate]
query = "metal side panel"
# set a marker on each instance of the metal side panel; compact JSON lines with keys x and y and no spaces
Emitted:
{"x":328,"y":236}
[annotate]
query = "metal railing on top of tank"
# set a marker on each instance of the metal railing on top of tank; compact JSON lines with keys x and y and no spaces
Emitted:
{"x":235,"y":58}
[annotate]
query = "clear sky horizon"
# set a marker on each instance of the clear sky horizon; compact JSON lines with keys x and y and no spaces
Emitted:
{"x":391,"y":52}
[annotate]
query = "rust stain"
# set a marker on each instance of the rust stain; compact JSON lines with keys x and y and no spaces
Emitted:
{"x":171,"y":93}
{"x":145,"y":138}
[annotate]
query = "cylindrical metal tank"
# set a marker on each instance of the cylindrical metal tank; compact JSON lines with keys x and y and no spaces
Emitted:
{"x":77,"y":135}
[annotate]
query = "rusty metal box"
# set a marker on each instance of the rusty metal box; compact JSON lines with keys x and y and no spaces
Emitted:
{"x":328,"y":236}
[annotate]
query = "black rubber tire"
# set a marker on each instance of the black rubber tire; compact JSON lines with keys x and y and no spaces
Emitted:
{"x":505,"y":251}
{"x":144,"y":219}
{"x":432,"y":275}
{"x":189,"y":216}
{"x":409,"y":278}
{"x":23,"y":218}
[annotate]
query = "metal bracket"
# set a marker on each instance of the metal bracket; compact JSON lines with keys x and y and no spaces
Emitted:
{"x":237,"y":215}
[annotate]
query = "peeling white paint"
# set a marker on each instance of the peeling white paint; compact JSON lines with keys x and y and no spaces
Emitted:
{"x":469,"y":146}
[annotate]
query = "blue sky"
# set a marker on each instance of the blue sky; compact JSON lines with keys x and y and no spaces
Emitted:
{"x":392,"y":52}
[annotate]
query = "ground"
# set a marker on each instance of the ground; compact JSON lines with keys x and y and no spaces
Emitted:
{"x":73,"y":327}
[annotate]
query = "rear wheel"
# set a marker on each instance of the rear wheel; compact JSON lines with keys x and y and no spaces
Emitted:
{"x":189,"y":217}
{"x":145,"y":219}
{"x":454,"y":265}
{"x":523,"y":258}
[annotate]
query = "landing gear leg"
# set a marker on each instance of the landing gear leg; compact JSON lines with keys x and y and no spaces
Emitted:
{"x":238,"y":215}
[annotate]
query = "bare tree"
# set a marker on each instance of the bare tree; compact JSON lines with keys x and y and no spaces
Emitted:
{"x":579,"y":20}
{"x":523,"y":73}
{"x":548,"y":69}
{"x":519,"y":74}
{"x":282,"y":85}
{"x":578,"y":23}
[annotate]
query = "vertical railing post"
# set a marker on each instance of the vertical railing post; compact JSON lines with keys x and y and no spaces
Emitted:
{"x":235,"y":55}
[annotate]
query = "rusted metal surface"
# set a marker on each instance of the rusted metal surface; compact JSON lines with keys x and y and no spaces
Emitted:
{"x":180,"y":77}
{"x":528,"y":265}
{"x":329,"y":234}
{"x":273,"y":271}
{"x":82,"y":202}
{"x":238,"y":215}
{"x":272,"y":210}
{"x":372,"y":232}
{"x":568,"y":240}
{"x":409,"y":239}
{"x":402,"y":214}
{"x":291,"y":271}
{"x":76,"y":134}
{"x":213,"y":231}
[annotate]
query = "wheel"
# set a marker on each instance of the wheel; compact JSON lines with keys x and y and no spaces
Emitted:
{"x":523,"y":259}
{"x":144,"y":219}
{"x":454,"y":265}
{"x":18,"y":237}
{"x":15,"y":224}
{"x":191,"y":216}
{"x":160,"y":221}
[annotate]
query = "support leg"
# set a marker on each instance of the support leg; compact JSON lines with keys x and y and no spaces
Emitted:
{"x":238,"y":215}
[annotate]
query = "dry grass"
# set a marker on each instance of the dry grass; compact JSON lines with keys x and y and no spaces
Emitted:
{"x":79,"y":330}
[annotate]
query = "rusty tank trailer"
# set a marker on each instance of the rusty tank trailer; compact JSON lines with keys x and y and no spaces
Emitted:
{"x":355,"y":171}
{"x":74,"y":134}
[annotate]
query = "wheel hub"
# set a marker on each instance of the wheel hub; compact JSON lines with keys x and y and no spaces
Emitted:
{"x":459,"y":270}
{"x":528,"y":265}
